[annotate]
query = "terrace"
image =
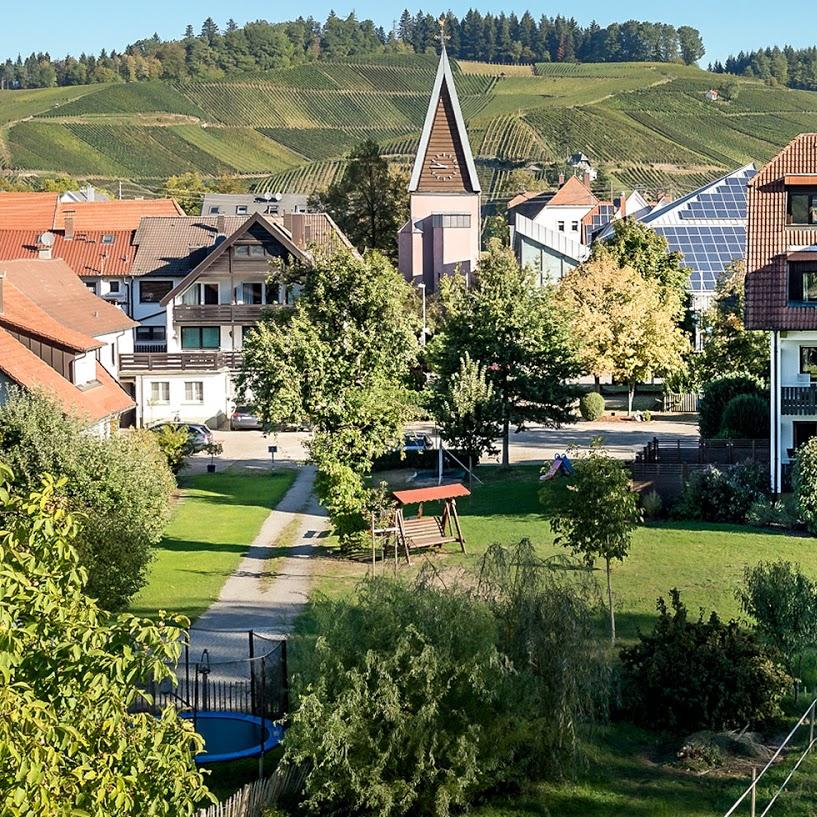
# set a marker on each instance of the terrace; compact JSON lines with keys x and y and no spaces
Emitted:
{"x":140,"y":362}
{"x":798,"y":400}
{"x":219,"y":313}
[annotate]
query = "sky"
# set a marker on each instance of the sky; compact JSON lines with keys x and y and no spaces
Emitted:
{"x":74,"y":26}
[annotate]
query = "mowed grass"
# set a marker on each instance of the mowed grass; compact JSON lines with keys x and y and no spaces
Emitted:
{"x":214,"y":522}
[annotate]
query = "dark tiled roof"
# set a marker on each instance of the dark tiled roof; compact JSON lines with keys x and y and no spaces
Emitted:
{"x":768,"y":239}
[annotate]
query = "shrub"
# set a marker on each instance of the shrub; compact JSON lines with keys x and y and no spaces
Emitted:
{"x":745,"y":417}
{"x":804,"y":481}
{"x":716,"y":393}
{"x":723,"y":496}
{"x":174,"y":443}
{"x":652,"y":504}
{"x":121,"y":485}
{"x":705,"y":674}
{"x":782,"y":600}
{"x":774,"y":513}
{"x":591,"y":406}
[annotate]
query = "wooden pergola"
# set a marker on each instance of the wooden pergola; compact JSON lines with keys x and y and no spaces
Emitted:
{"x":420,"y":532}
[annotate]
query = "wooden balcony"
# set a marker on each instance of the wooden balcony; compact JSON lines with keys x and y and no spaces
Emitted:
{"x":221,"y":314}
{"x":142,"y":362}
{"x":798,"y":400}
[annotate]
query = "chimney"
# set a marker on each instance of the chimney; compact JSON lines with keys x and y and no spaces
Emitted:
{"x":586,"y":179}
{"x":44,"y":252}
{"x":2,"y":278}
{"x":561,"y":179}
{"x":623,"y":207}
{"x":69,"y":227}
{"x":221,"y":224}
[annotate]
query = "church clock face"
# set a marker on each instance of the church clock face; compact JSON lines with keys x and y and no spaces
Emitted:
{"x":443,"y":166}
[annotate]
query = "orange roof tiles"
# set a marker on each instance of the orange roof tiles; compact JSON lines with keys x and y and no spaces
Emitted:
{"x":28,"y":211}
{"x":573,"y":193}
{"x":54,"y":287}
{"x":86,"y":254}
{"x":101,"y":400}
{"x":124,"y":214}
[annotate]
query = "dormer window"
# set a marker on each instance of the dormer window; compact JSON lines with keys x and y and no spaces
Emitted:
{"x":803,"y":283}
{"x":241,"y":209}
{"x":802,"y":206}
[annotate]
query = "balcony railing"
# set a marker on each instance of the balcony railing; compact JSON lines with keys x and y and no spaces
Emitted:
{"x":798,"y":400}
{"x":141,"y":362}
{"x":219,"y":313}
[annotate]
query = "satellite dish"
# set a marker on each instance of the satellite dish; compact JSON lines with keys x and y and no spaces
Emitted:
{"x":267,"y":196}
{"x":278,"y":196}
{"x":47,"y":239}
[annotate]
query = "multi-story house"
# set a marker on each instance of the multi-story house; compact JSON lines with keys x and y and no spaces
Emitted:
{"x":781,"y":292}
{"x":247,"y":204}
{"x":207,"y":281}
{"x":58,"y":337}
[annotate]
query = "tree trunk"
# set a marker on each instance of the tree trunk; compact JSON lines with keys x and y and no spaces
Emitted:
{"x":610,"y":602}
{"x":506,"y":434}
{"x":597,"y":384}
{"x":630,"y":398}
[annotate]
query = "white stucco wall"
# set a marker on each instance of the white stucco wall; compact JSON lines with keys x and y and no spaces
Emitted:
{"x":551,"y":216}
{"x":213,"y":410}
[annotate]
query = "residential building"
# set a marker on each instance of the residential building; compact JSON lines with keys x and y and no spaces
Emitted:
{"x":86,"y":193}
{"x":247,"y":204}
{"x":581,"y":164}
{"x":203,"y":283}
{"x":442,"y":235}
{"x":58,"y":337}
{"x":707,"y":226}
{"x":94,"y":237}
{"x":781,"y":292}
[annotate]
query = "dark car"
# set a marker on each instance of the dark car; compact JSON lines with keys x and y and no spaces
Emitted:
{"x":198,"y":434}
{"x":244,"y":417}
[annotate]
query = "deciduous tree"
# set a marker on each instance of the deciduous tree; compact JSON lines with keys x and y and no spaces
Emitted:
{"x":515,"y":330}
{"x":628,"y":327}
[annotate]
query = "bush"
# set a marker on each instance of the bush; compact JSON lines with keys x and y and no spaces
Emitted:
{"x":174,"y":443}
{"x":715,"y":394}
{"x":591,"y":406}
{"x":691,"y":675}
{"x":723,"y":496}
{"x":781,"y":513}
{"x":746,"y":417}
{"x":652,"y":504}
{"x":121,"y":486}
{"x":804,"y":482}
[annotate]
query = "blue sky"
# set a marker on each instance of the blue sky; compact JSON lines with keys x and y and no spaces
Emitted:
{"x":61,"y":26}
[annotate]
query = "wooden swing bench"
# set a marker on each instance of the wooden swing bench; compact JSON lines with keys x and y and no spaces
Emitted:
{"x":422,"y":532}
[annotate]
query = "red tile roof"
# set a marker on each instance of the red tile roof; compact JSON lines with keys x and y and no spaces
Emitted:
{"x":28,"y":211}
{"x":103,"y":399}
{"x":85,"y":254}
{"x":54,"y":287}
{"x":124,"y":214}
{"x":573,"y":193}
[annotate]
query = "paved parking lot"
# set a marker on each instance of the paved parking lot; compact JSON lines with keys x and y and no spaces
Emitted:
{"x":622,"y":438}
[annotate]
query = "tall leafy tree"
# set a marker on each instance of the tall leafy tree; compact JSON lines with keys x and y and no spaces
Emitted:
{"x":628,"y":327}
{"x":595,"y":514}
{"x":70,"y":740}
{"x":340,"y":361}
{"x":369,"y":202}
{"x":513,"y":328}
{"x":690,"y":44}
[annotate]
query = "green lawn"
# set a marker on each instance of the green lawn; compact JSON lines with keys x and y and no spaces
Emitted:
{"x":216,"y":519}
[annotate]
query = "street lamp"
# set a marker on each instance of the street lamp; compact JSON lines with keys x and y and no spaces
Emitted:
{"x":423,"y":336}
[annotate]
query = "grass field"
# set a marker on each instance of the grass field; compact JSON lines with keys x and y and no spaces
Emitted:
{"x":627,"y":771}
{"x":646,"y":124}
{"x":216,"y":519}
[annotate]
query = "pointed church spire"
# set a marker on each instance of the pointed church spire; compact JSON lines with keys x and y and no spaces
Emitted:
{"x":444,"y":162}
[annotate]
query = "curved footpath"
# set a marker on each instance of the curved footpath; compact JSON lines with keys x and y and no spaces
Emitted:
{"x":256,"y":597}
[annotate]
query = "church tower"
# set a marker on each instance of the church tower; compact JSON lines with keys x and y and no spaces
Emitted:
{"x":442,"y":234}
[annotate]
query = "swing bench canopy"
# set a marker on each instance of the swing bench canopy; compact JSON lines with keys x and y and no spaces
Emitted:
{"x":421,"y":532}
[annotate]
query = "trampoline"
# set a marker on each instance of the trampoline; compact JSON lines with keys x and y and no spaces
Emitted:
{"x":233,"y":735}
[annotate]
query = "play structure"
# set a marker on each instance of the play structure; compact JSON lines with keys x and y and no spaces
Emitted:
{"x":560,"y":467}
{"x":233,"y":735}
{"x":421,"y":532}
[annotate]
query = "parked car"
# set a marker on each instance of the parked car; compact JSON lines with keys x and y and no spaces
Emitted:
{"x":243,"y":417}
{"x":417,"y":442}
{"x":198,"y":434}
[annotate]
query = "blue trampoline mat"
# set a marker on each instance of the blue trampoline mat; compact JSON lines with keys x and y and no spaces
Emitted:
{"x":233,"y":735}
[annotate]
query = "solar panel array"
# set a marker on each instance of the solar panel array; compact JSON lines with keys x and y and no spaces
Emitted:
{"x":706,"y":250}
{"x":598,"y":218}
{"x":707,"y":244}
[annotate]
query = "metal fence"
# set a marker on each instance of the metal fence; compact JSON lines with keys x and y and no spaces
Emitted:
{"x":747,"y":803}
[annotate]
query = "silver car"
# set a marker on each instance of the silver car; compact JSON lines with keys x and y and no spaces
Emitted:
{"x":243,"y":418}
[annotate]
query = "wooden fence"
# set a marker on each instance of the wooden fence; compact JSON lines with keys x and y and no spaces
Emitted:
{"x":680,"y":403}
{"x":255,"y":798}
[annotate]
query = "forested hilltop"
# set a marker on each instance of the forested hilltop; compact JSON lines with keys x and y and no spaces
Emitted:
{"x":213,"y":53}
{"x":794,"y":67}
